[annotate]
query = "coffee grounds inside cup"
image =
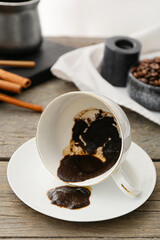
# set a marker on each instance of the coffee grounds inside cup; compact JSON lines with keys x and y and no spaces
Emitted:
{"x":94,"y":148}
{"x":78,"y":168}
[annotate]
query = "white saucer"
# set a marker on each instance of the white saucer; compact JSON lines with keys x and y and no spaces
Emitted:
{"x":30,"y":181}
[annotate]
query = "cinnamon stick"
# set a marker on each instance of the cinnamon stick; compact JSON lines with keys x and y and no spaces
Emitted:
{"x":12,"y":77}
{"x":12,"y":63}
{"x":10,"y":87}
{"x":8,"y":99}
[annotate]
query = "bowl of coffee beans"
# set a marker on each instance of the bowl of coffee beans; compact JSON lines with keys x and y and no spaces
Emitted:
{"x":144,"y":83}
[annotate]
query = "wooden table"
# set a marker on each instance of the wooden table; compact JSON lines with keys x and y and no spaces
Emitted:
{"x":18,"y":221}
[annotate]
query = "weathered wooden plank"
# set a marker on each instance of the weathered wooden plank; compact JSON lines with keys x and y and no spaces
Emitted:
{"x":32,"y":224}
{"x":19,"y":125}
{"x":84,"y":238}
{"x":145,"y":133}
{"x":18,"y":220}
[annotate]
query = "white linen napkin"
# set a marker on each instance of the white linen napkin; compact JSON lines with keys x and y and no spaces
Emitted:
{"x":81,"y":67}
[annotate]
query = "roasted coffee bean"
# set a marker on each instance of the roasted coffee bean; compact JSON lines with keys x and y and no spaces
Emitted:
{"x":148,"y":75}
{"x":151,"y":83}
{"x":146,"y":60}
{"x":157,"y":59}
{"x":154,"y":74}
{"x":152,"y":79}
{"x":154,"y":65}
{"x":144,"y":71}
{"x":142,"y":68}
{"x":135,"y":74}
{"x":140,"y":74}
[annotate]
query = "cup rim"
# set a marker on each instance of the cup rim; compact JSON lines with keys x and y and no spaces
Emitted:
{"x":115,"y":166}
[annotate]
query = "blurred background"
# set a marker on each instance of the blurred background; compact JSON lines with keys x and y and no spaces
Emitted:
{"x":97,"y":18}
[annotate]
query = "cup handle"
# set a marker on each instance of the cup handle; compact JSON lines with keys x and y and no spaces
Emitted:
{"x":123,"y":181}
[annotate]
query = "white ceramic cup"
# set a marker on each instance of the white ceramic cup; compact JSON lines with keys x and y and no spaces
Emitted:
{"x":55,"y":129}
